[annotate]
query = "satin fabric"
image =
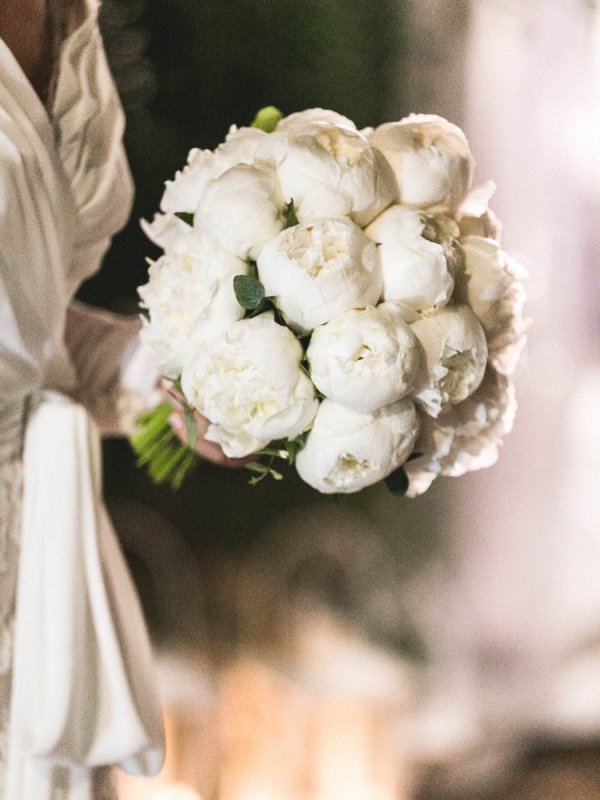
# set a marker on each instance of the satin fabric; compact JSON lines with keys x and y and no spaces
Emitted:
{"x":83,"y":692}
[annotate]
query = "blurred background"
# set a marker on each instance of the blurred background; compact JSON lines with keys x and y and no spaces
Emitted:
{"x":379,"y":648}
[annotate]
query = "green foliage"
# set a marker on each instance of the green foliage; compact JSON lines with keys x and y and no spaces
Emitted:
{"x":191,"y":428}
{"x":167,"y":460}
{"x":186,"y":217}
{"x":267,"y":118}
{"x":291,"y":218}
{"x":294,"y":446}
{"x":249,"y":291}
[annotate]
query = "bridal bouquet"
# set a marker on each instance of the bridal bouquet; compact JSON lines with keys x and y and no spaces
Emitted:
{"x":335,"y":298}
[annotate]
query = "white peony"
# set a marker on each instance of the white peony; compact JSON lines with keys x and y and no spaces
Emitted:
{"x":475,"y":217}
{"x":430,"y":158}
{"x":241,"y":210}
{"x":189,"y":297}
{"x":491,"y":283}
{"x":165,"y":230}
{"x":307,"y":119}
{"x":455,"y":357}
{"x":331,"y":171}
{"x":244,"y":145}
{"x":365,"y":359}
{"x":317,"y":270}
{"x":415,"y":269}
{"x":248,"y":382}
{"x":183,"y":193}
{"x":346,"y":450}
{"x":467,"y":437}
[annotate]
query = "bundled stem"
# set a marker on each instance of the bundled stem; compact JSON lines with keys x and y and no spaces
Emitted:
{"x":167,"y":459}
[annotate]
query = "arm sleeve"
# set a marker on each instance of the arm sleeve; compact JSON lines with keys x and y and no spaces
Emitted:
{"x":117,"y":375}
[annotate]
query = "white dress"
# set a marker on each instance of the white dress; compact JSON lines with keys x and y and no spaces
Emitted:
{"x":76,"y":685}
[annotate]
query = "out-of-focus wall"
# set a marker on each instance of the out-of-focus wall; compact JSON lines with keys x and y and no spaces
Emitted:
{"x":522,"y":661}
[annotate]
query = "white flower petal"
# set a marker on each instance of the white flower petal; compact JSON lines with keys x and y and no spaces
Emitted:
{"x":317,"y":270}
{"x":456,"y":354}
{"x":347,"y":451}
{"x":250,"y":399}
{"x":414,"y":268}
{"x":241,"y":210}
{"x":364,"y":359}
{"x":190,"y":298}
{"x":430,"y":158}
{"x":491,"y":283}
{"x":331,"y":171}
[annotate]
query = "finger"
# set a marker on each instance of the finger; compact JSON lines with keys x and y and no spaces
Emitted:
{"x":209,"y":450}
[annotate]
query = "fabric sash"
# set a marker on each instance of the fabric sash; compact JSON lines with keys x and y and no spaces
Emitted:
{"x":83,"y":685}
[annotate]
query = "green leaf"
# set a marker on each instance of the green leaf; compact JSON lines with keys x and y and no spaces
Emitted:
{"x":192,"y":433}
{"x":294,"y":446}
{"x":273,"y":452}
{"x":256,"y":466}
{"x":186,"y":217}
{"x":290,"y":214}
{"x":397,"y":482}
{"x":249,"y":291}
{"x":267,"y":118}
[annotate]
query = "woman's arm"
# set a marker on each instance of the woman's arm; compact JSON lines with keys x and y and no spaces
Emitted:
{"x":25,"y":28}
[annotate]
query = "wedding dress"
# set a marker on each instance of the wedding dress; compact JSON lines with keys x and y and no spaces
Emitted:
{"x":72,"y":636}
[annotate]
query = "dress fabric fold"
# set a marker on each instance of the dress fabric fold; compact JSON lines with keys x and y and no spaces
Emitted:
{"x":82,"y":692}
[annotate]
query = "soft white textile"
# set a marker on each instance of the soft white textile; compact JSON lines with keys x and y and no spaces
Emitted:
{"x":83,"y":686}
{"x":116,"y":373}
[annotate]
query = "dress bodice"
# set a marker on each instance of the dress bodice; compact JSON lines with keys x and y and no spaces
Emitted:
{"x":65,"y":189}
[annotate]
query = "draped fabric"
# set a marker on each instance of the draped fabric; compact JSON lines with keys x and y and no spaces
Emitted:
{"x":82,"y":692}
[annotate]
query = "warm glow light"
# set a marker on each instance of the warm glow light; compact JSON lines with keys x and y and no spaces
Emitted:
{"x":176,"y":791}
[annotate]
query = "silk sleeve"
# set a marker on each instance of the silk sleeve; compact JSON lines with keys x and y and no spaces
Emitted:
{"x":117,"y":375}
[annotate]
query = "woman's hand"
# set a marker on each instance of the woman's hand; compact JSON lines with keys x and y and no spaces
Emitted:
{"x":209,"y":450}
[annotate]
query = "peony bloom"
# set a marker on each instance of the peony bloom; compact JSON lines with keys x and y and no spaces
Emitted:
{"x":365,"y":359}
{"x":347,"y":451}
{"x":430,"y":158}
{"x":248,"y":382}
{"x":455,"y":357}
{"x":317,"y":270}
{"x":183,"y":193}
{"x":331,"y":171}
{"x":475,"y":217}
{"x":241,"y":210}
{"x":415,"y":269}
{"x":189,"y":297}
{"x":306,"y":120}
{"x":241,"y":146}
{"x":491,"y":283}
{"x":467,"y":437}
{"x":165,"y":230}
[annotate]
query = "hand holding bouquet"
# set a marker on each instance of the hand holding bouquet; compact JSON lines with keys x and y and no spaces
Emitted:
{"x":336,"y":298}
